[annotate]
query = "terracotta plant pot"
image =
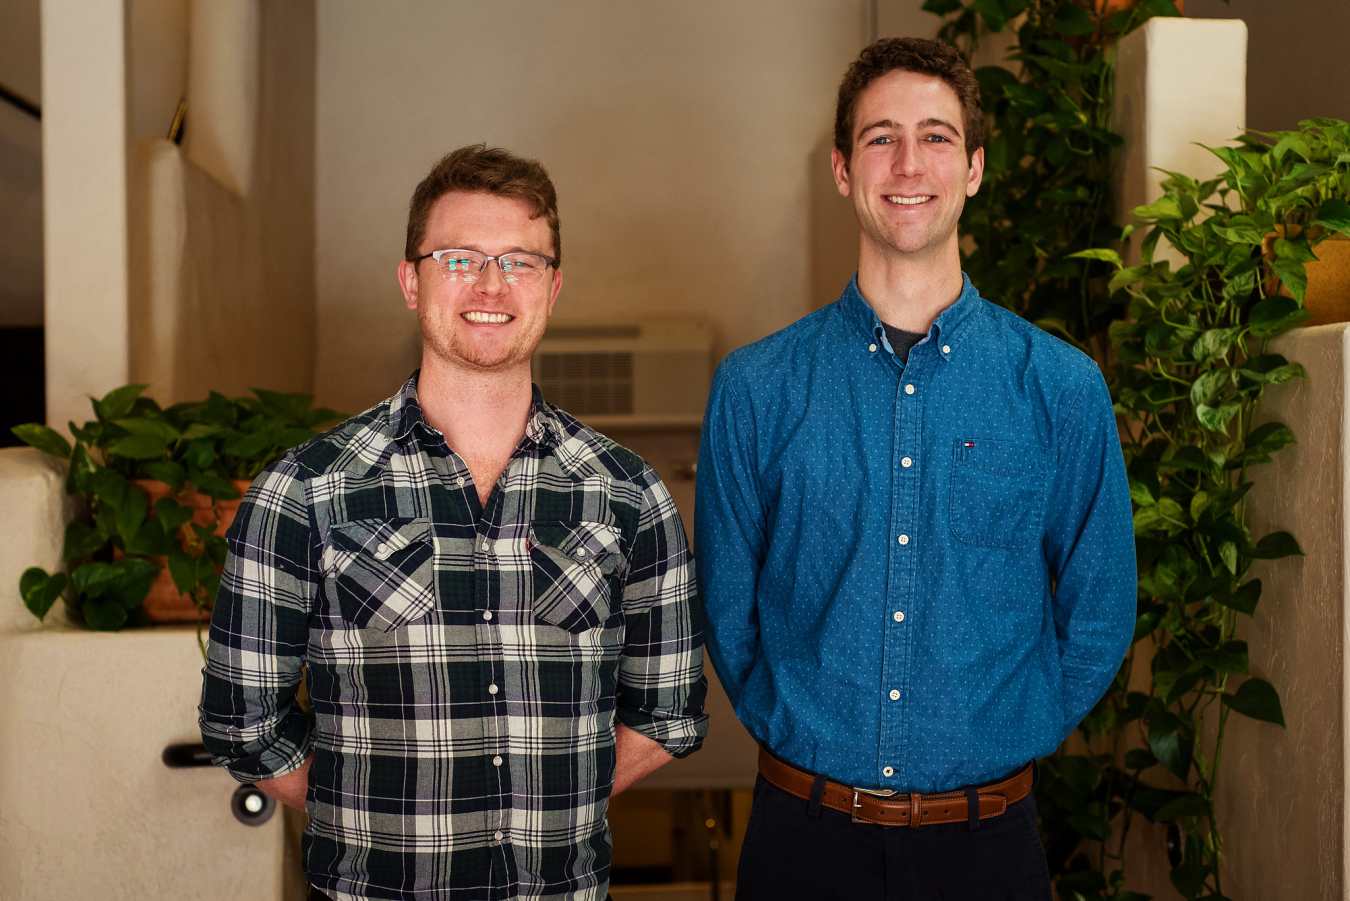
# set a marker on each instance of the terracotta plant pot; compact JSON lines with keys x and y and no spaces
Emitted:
{"x":164,"y":604}
{"x":1328,"y":294}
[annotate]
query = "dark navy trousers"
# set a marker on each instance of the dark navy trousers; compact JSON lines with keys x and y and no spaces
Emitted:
{"x":789,"y":855}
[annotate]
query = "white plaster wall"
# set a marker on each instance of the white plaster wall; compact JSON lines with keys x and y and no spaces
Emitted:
{"x":84,"y":173}
{"x":688,"y":141}
{"x":87,"y":808}
{"x":1179,"y":83}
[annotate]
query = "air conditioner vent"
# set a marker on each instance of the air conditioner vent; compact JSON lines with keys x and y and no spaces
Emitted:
{"x":632,"y":371}
{"x":588,"y":383}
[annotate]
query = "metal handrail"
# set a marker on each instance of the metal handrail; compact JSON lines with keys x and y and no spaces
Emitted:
{"x":19,"y":101}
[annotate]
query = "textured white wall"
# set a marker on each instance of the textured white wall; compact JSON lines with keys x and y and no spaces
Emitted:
{"x":685,"y":139}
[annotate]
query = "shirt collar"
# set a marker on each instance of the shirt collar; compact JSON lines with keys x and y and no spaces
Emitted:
{"x":405,"y":415}
{"x":949,"y":325}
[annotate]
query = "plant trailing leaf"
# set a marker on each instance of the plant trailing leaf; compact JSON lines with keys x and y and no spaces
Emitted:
{"x":40,"y":590}
{"x":1257,"y":698}
{"x":47,"y":440}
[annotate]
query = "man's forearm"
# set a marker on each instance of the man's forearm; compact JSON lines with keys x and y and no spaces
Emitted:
{"x":291,"y":789}
{"x":636,"y":756}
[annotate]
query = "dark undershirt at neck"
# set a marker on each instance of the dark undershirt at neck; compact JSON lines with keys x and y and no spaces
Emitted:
{"x":902,"y":341}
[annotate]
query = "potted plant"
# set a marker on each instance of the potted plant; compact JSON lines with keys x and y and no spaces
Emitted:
{"x":160,"y":488}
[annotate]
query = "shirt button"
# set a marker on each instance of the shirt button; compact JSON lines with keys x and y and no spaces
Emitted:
{"x":497,"y":761}
{"x":581,"y":552}
{"x":904,"y":539}
{"x":946,"y":349}
{"x":382,"y":551}
{"x":484,"y":545}
{"x":885,"y":771}
{"x":872,"y":348}
{"x":492,"y":689}
{"x":909,"y":389}
{"x":899,"y":616}
{"x":895,"y":694}
{"x":497,"y":835}
{"x":906,"y":462}
{"x":487,"y":614}
{"x":460,"y":481}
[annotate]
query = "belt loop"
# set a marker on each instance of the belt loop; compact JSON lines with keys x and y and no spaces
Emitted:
{"x":817,"y":793}
{"x":972,"y":808}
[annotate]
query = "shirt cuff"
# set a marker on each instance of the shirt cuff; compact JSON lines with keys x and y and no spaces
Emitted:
{"x":677,"y":736}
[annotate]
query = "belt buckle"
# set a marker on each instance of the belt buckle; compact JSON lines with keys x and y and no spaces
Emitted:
{"x":876,"y":793}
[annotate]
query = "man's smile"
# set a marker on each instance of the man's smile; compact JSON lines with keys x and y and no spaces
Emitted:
{"x":482,"y":317}
{"x":909,"y":201}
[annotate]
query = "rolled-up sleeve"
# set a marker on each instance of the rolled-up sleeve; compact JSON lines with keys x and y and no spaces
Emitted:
{"x":661,"y":686}
{"x":250,"y":719}
{"x":1089,"y":546}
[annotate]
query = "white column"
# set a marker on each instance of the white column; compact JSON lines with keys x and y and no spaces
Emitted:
{"x":1179,"y":83}
{"x":84,"y":181}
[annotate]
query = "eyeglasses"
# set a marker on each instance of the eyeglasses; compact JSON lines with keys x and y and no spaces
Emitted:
{"x":522,"y":268}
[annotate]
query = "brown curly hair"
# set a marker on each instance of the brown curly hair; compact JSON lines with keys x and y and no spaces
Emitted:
{"x":926,"y":57}
{"x":491,"y":170}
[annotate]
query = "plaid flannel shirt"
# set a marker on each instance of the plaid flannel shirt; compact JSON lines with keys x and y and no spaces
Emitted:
{"x":465,"y":665}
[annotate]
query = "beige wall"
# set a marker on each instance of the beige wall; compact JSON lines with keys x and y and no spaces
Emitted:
{"x":687,"y":139}
{"x":20,"y":168}
{"x":222,"y":281}
{"x":1295,"y":59}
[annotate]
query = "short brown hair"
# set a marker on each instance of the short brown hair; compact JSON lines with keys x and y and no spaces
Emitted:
{"x":920,"y":55}
{"x":490,"y":170}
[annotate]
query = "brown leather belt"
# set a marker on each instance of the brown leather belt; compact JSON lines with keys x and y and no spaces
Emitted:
{"x":888,"y":808}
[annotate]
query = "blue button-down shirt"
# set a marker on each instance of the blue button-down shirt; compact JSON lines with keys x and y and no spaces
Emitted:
{"x":918,"y":576}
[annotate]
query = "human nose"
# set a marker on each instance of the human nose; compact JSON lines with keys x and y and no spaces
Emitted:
{"x":487,"y":282}
{"x":906,"y":159}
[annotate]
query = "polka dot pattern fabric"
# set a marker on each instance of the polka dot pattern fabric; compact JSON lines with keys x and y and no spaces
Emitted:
{"x":918,"y":575}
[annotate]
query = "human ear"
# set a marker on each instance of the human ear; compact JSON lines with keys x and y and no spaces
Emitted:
{"x":976,"y":172}
{"x":553,"y":292}
{"x":839,"y":166}
{"x":407,"y":280}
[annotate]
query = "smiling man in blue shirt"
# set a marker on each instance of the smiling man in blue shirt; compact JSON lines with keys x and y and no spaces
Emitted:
{"x":914,"y":535}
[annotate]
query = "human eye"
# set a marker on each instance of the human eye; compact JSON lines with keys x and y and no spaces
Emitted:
{"x":520,"y":263}
{"x":936,"y":139}
{"x":881,"y":139}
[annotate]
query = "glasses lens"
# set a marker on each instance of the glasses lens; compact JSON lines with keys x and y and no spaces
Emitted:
{"x":462,"y":265}
{"x":522,"y":268}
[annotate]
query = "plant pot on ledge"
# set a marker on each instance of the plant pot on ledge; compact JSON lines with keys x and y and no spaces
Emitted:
{"x":1328,"y":294}
{"x":164,"y":604}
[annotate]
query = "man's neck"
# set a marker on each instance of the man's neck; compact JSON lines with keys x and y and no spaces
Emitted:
{"x":909,"y":291}
{"x":482,"y":415}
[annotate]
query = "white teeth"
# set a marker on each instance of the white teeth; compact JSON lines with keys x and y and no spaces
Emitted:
{"x":909,"y":201}
{"x":485,"y":318}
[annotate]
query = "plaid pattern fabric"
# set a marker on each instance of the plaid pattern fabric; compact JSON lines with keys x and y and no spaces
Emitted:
{"x":465,"y":666}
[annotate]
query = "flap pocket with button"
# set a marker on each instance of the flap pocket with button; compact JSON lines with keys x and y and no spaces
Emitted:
{"x":997,"y":492}
{"x":571,"y":567}
{"x":381,"y":571}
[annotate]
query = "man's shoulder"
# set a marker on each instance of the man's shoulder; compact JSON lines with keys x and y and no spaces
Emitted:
{"x":776,"y":353}
{"x":582,"y":452}
{"x":1040,"y":348}
{"x":356,"y":443}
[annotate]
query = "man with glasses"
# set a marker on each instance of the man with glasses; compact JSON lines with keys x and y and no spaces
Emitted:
{"x":914,"y":535}
{"x":493,"y":605}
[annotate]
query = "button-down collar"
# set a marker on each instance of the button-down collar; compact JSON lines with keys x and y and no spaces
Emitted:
{"x":949,"y":325}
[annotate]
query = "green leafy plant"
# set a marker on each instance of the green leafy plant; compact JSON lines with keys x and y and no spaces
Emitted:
{"x":1046,"y":192}
{"x":1192,"y":364}
{"x":120,"y":545}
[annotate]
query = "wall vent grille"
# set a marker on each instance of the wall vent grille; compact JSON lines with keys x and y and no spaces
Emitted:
{"x":587,"y":383}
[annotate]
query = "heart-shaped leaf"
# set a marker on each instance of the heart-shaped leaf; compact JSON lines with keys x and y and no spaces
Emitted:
{"x":40,"y":590}
{"x":45,"y":439}
{"x":1258,"y":699}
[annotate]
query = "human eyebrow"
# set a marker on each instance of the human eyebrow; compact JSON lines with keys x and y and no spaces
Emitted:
{"x":940,"y":123}
{"x":882,"y":123}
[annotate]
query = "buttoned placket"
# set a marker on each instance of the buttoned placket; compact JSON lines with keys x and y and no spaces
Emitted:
{"x":914,"y":377}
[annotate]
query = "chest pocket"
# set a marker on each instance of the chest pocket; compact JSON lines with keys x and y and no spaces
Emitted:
{"x":571,"y":565}
{"x":381,"y":571}
{"x":998,"y":492}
